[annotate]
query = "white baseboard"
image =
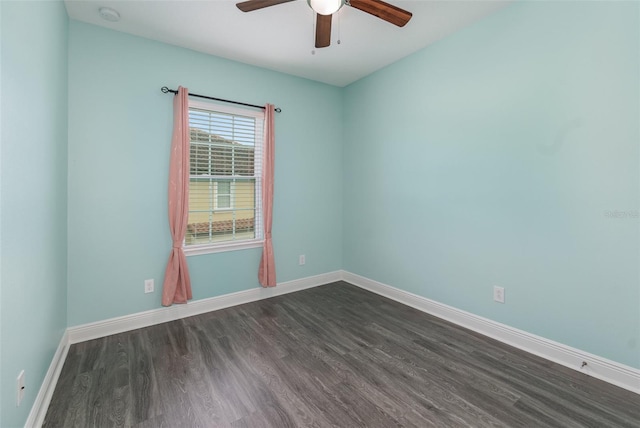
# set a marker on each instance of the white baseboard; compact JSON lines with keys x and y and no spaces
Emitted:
{"x":111,"y":326}
{"x":41,"y":403}
{"x":609,"y":371}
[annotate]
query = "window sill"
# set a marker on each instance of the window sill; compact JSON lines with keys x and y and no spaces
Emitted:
{"x":196,"y":250}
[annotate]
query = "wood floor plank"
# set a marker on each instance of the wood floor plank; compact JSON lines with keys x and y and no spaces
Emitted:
{"x":79,"y":406}
{"x":328,"y":356}
{"x":142,"y":380}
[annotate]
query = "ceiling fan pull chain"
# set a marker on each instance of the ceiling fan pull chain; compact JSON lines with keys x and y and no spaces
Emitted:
{"x":339,"y":26}
{"x":313,"y":29}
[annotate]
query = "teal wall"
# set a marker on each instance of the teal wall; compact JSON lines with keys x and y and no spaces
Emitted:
{"x":33,"y":197}
{"x":120,"y":128}
{"x":493,"y":157}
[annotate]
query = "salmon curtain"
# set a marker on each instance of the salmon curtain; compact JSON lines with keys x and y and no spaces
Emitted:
{"x":177,"y":284}
{"x":267,"y":270}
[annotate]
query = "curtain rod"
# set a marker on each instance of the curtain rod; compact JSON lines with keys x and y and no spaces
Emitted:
{"x":165,"y":90}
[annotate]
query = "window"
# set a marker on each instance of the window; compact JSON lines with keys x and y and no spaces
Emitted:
{"x":222,"y":198}
{"x":224,"y":178}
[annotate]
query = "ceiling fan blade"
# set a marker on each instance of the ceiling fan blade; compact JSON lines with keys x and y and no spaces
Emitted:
{"x":248,"y":6}
{"x":323,"y":31}
{"x":382,"y":10}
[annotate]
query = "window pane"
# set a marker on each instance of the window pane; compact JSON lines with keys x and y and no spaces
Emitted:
{"x":223,"y":226}
{"x":224,"y":187}
{"x":224,"y":201}
{"x":222,"y":159}
{"x":244,"y":161}
{"x":200,"y":162}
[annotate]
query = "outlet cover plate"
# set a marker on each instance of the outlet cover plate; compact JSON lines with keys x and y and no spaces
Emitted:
{"x":498,"y":294}
{"x":149,"y":286}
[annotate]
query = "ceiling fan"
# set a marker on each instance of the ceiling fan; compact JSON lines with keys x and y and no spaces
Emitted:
{"x":326,"y":8}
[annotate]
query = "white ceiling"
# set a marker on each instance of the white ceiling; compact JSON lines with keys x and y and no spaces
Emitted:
{"x":281,"y":37}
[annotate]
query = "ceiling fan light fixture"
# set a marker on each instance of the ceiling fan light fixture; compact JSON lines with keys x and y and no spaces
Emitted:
{"x":325,"y":7}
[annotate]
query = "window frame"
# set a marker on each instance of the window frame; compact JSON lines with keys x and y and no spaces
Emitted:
{"x":258,"y":241}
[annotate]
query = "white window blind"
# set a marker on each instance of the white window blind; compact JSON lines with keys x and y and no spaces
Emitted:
{"x":225,"y":169}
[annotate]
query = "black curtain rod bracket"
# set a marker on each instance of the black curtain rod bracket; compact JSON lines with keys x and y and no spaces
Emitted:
{"x":165,"y":90}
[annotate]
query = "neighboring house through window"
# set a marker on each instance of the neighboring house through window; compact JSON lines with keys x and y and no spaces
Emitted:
{"x":224,"y":185}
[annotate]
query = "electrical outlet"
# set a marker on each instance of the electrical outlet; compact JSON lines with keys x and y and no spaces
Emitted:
{"x":301,"y":260}
{"x":498,"y":294}
{"x":20,"y":385}
{"x":148,"y":286}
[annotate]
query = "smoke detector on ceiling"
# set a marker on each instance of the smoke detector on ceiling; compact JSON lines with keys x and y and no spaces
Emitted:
{"x":109,"y":14}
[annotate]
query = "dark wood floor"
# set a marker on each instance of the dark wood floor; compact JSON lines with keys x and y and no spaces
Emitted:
{"x":334,"y":355}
